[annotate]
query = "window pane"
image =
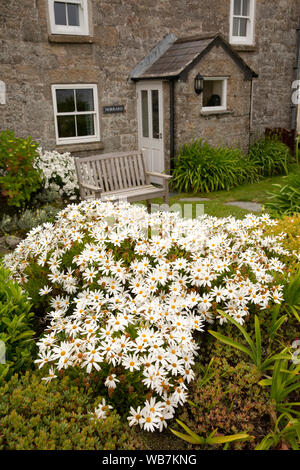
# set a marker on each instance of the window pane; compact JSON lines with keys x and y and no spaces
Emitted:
{"x":65,"y":101}
{"x":85,"y":125}
{"x":243,"y":27}
{"x":235,"y":26}
{"x":73,"y":14}
{"x":212,"y":93}
{"x":155,"y":114}
{"x":60,"y":13}
{"x":84,"y":99}
{"x":237,"y":7}
{"x":66,"y":126}
{"x":245,"y":10}
{"x":145,"y":114}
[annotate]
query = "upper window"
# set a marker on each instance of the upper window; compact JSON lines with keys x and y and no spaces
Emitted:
{"x":69,"y":17}
{"x":242,"y":21}
{"x":76,"y":113}
{"x":214,"y":94}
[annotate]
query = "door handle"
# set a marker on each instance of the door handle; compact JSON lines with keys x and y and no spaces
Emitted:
{"x":160,"y":135}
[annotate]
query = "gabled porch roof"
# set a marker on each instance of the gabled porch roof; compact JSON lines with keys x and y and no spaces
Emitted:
{"x":181,"y":55}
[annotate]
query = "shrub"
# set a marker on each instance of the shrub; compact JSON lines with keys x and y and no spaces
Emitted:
{"x":285,"y":436}
{"x":27,"y":220}
{"x":270,"y":156}
{"x":232,"y":401}
{"x":18,"y":178}
{"x":286,"y":199}
{"x":124,"y":303}
{"x":289,"y":229}
{"x":15,"y":327}
{"x":57,"y":416}
{"x":59,"y":173}
{"x":202,"y":168}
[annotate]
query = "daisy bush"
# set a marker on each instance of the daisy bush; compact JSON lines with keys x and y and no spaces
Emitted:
{"x":59,"y":172}
{"x":127,"y":294}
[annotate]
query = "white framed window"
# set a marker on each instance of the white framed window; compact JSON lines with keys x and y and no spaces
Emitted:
{"x":76,"y":113}
{"x":69,"y":17}
{"x":242,"y":15}
{"x":214,"y":96}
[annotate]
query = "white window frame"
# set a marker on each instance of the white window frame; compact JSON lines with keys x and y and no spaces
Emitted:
{"x":80,"y":139}
{"x":249,"y":39}
{"x":224,"y":95}
{"x":81,"y":30}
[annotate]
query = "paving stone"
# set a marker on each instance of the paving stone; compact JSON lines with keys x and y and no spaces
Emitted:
{"x":12,"y":241}
{"x":250,"y":206}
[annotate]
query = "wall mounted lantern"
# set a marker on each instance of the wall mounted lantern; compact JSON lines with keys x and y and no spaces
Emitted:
{"x":198,"y":84}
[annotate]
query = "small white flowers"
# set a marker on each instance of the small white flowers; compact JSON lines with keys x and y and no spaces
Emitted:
{"x":151,"y":417}
{"x":51,"y":375}
{"x":45,"y":290}
{"x":131,"y":362}
{"x":111,"y":381}
{"x":102,"y":409}
{"x":58,"y":167}
{"x":125,"y":304}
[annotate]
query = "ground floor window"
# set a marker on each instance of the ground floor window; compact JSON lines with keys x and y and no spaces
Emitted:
{"x":214,"y":94}
{"x":76,"y":113}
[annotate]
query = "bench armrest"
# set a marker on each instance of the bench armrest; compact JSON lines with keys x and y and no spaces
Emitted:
{"x":158,"y":175}
{"x":91,"y":187}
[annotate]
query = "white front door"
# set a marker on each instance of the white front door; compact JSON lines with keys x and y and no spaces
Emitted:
{"x":150,"y":124}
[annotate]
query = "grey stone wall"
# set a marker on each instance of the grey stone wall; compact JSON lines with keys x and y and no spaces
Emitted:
{"x":230,"y":127}
{"x":123,"y":32}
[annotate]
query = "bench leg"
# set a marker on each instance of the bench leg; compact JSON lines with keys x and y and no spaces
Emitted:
{"x":148,"y":202}
{"x":166,"y":198}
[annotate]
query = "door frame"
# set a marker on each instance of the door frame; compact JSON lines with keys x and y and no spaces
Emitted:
{"x":154,"y":85}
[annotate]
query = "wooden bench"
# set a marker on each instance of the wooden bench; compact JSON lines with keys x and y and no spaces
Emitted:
{"x":121,"y":175}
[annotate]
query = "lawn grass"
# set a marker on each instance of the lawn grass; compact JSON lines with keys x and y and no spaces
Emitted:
{"x":256,"y":192}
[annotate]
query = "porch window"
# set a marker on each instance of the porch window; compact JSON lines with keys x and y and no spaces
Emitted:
{"x":68,"y":17}
{"x":214,"y":94}
{"x":242,"y":21}
{"x":76,"y":113}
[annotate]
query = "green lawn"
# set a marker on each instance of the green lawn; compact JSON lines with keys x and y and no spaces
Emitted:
{"x":257,"y":192}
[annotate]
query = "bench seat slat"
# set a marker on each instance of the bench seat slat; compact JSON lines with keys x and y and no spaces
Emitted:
{"x":139,"y":193}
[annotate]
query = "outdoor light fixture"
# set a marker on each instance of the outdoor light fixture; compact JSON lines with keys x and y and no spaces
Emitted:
{"x":198,"y":84}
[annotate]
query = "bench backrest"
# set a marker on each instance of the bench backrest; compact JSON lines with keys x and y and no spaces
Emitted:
{"x":112,"y":171}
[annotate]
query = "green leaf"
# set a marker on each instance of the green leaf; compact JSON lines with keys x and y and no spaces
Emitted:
{"x":242,"y":330}
{"x":265,"y":382}
{"x":258,"y":341}
{"x":184,"y":437}
{"x":230,"y":342}
{"x":232,"y":438}
{"x":192,"y":437}
{"x":275,"y":326}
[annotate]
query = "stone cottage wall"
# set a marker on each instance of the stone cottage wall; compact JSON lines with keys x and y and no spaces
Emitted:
{"x":123,"y":32}
{"x":230,"y":127}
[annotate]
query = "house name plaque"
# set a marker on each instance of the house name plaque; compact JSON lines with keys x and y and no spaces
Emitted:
{"x":118,"y":108}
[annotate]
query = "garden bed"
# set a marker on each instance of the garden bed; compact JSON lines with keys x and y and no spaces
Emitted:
{"x":129,"y":287}
{"x":128,"y":330}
